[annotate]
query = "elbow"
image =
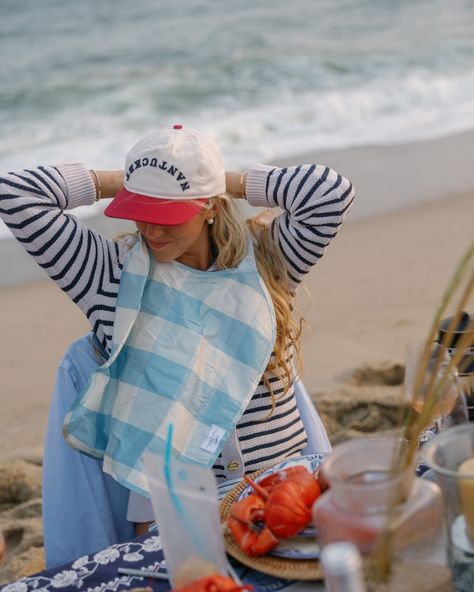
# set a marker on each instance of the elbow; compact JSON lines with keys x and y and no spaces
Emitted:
{"x":346,"y":196}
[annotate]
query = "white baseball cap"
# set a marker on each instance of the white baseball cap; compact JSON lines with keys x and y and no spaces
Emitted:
{"x":165,"y":173}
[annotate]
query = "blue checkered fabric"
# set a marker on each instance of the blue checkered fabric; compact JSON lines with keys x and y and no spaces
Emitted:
{"x":189,"y":348}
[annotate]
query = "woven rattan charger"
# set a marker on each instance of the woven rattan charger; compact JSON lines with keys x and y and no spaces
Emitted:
{"x":282,"y":567}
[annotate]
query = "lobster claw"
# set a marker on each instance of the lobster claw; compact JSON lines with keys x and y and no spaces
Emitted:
{"x":252,"y":543}
{"x":265,"y":541}
{"x":242,"y":522}
{"x":250,"y":509}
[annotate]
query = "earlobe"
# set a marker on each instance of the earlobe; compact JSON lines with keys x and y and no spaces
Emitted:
{"x":213,"y":211}
{"x":216,"y":207}
{"x":212,"y":214}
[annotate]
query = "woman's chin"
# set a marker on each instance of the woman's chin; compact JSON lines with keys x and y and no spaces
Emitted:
{"x":163,"y":257}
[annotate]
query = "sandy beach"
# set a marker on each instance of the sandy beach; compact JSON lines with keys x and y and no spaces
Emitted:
{"x":374,"y":292}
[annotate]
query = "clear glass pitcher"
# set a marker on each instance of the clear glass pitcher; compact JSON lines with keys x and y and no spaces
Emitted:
{"x":364,"y":497}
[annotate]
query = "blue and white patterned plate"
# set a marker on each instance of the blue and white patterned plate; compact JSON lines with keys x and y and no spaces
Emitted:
{"x":304,"y":545}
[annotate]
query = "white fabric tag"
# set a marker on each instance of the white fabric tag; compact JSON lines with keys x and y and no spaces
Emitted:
{"x":214,"y":436}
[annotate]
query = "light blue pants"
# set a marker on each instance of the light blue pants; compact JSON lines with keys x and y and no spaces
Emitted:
{"x":84,"y":510}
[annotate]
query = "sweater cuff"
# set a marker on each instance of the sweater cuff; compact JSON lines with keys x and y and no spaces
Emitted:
{"x":80,"y":188}
{"x":255,"y":186}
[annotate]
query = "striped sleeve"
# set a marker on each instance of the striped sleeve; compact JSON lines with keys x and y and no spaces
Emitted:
{"x":314,"y":199}
{"x":84,"y":264}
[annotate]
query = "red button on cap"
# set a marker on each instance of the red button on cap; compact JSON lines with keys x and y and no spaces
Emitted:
{"x":177,"y":126}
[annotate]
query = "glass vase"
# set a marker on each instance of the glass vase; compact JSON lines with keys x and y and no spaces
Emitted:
{"x":365,"y":498}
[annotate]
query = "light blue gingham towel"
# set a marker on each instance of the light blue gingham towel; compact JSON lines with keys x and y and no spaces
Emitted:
{"x":189,"y":348}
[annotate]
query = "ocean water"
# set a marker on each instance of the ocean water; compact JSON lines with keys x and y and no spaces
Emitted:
{"x":265,"y":78}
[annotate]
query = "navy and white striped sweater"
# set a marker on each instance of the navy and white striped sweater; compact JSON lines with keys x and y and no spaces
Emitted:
{"x":35,"y":203}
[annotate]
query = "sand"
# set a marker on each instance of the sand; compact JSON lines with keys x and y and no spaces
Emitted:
{"x":374,"y":291}
{"x":377,"y":288}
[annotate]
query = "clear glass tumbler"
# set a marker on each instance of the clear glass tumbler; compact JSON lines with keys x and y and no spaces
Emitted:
{"x":450,"y":407}
{"x":451,"y":456}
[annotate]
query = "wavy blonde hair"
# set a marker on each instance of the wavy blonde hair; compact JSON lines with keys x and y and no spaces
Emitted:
{"x":228,"y":236}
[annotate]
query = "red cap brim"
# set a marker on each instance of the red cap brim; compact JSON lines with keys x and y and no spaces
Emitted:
{"x":154,"y":210}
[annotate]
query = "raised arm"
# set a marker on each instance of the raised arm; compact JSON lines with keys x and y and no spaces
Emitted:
{"x":314,"y":199}
{"x":84,"y":264}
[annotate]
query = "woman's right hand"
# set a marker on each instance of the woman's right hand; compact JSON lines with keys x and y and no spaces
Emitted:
{"x":107,"y":183}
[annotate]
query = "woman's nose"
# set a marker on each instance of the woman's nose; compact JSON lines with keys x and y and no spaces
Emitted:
{"x":154,"y":231}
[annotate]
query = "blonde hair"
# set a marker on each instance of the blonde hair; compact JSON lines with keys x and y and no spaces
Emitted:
{"x":228,"y":236}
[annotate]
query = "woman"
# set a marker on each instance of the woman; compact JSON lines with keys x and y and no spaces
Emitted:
{"x":193,"y":313}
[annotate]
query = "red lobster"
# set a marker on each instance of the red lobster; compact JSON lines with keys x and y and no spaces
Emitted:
{"x":214,"y":583}
{"x":279,"y":509}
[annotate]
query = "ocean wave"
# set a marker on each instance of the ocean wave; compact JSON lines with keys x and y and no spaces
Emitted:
{"x":386,"y":110}
{"x":266,"y":81}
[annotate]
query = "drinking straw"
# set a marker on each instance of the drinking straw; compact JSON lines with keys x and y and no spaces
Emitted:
{"x":167,"y":470}
{"x":184,"y":514}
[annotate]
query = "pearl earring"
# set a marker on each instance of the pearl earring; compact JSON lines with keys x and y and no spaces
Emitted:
{"x":210,"y":221}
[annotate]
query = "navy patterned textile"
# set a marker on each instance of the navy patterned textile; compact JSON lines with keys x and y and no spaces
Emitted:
{"x":99,"y":572}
